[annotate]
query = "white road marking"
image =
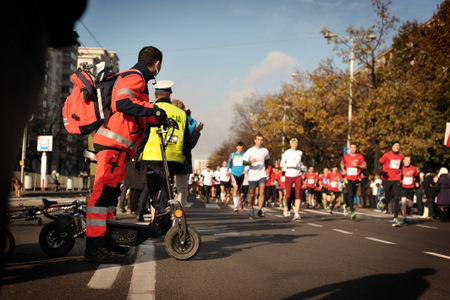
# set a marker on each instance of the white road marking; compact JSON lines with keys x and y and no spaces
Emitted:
{"x":143,"y":278}
{"x":342,"y":231}
{"x":316,"y":225}
{"x":425,"y":226}
{"x":380,"y":241}
{"x":189,"y":204}
{"x":214,"y":206}
{"x":437,"y":254}
{"x":104,"y":276}
{"x":320,"y":212}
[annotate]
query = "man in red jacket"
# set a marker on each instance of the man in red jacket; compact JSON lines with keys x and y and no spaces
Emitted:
{"x":390,"y":168}
{"x":116,"y":142}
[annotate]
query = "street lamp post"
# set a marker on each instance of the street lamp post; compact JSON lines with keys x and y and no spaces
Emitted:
{"x":328,"y":36}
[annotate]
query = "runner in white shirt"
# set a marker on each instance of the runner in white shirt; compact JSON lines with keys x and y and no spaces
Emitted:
{"x":225,"y":184}
{"x":216,"y":184}
{"x":292,"y":161}
{"x":257,"y":158}
{"x":207,"y":175}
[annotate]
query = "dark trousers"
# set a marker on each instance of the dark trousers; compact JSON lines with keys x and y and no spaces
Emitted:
{"x":352,"y":189}
{"x":157,"y":186}
{"x":392,"y":190}
{"x":419,"y":203}
{"x":142,"y":201}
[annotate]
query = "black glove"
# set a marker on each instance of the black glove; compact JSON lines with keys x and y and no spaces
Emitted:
{"x":171,"y":123}
{"x":384,"y":174}
{"x":160,"y":115}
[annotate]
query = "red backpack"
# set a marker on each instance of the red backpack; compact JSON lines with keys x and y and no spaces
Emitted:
{"x":88,"y":106}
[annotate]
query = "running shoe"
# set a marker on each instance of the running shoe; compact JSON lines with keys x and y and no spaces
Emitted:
{"x":380,"y":205}
{"x":260,"y":213}
{"x":331,"y":212}
{"x":405,"y":220}
{"x":286,"y":213}
{"x":346,"y":211}
{"x":296,"y":218}
{"x":395,"y":223}
{"x":251,"y":214}
{"x":235,"y":209}
{"x":280,"y":207}
{"x":353,"y":216}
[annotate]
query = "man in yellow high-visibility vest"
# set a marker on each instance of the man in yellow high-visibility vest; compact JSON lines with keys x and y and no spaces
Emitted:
{"x":175,"y":151}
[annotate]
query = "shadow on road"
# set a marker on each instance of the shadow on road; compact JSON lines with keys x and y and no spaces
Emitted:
{"x":409,"y":285}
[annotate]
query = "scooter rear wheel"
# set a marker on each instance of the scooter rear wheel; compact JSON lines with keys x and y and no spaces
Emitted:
{"x":53,"y":243}
{"x":186,"y":251}
{"x":8,"y":244}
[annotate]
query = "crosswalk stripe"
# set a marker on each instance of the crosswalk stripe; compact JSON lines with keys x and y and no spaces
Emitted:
{"x":104,"y":276}
{"x":143,"y":278}
{"x":213,"y":206}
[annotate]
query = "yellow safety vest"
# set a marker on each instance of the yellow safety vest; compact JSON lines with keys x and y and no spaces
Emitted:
{"x":174,"y":151}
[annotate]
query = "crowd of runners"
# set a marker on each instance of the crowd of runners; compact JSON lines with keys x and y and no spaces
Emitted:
{"x":247,"y":179}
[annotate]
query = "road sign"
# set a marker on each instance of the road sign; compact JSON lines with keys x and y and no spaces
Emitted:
{"x":45,"y":143}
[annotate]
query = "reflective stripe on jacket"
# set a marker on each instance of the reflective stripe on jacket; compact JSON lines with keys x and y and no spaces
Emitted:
{"x":131,"y":111}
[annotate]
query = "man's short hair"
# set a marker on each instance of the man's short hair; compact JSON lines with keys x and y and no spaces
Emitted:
{"x":240,"y":144}
{"x":259,"y":134}
{"x":149,"y":55}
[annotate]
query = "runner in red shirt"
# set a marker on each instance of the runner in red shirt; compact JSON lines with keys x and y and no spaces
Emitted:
{"x":410,"y":180}
{"x":311,"y":179}
{"x":281,"y":178}
{"x":351,"y":165}
{"x":334,"y":177}
{"x":323,"y":182}
{"x":390,"y":168}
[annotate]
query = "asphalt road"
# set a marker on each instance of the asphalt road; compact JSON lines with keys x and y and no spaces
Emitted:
{"x":319,"y":257}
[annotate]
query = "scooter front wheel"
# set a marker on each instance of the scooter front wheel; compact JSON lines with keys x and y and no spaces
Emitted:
{"x":53,"y":242}
{"x":178,"y":251}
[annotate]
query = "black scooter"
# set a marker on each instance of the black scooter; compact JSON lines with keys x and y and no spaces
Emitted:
{"x":181,"y":240}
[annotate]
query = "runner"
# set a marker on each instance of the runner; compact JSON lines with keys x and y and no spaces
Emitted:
{"x":410,"y":181}
{"x":311,"y":179}
{"x":323,"y":182}
{"x":225,"y":183}
{"x":292,"y":161}
{"x":281,"y":179}
{"x":244,"y":190}
{"x":334,"y":179}
{"x":207,"y":175}
{"x":257,"y":158}
{"x":235,"y":166}
{"x":270,"y":190}
{"x":351,"y":165}
{"x":216,"y":184}
{"x":389,"y":166}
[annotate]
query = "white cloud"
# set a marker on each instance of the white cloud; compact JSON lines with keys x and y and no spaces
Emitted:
{"x":262,"y":78}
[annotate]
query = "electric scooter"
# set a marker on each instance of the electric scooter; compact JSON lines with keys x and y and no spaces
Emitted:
{"x":181,"y":241}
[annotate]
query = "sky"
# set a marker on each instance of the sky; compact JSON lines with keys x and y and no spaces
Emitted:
{"x":220,"y":52}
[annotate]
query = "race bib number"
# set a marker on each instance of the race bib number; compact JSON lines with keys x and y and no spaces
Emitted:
{"x":408,"y":180}
{"x":238,"y":161}
{"x":395,"y":164}
{"x":352,"y":171}
{"x":283,"y":179}
{"x":334,"y":184}
{"x":311,"y":181}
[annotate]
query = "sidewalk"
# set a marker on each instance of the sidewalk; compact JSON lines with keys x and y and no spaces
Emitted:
{"x":35,"y":197}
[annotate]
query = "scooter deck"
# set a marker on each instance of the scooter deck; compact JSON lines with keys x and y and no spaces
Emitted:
{"x":130,"y":234}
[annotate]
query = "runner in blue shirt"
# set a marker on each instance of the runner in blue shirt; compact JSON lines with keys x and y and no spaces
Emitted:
{"x":236,"y":164}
